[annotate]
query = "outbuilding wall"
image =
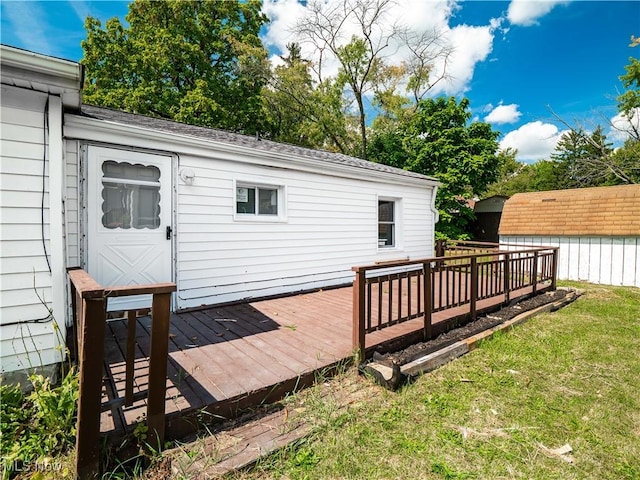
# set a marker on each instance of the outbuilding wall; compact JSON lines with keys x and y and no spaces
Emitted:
{"x":605,"y":260}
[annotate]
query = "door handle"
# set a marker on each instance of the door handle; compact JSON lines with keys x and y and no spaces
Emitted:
{"x":169,"y":230}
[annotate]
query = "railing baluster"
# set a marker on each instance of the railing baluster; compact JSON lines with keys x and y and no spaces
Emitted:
{"x":428,"y":300}
{"x":379,"y":283}
{"x":368,"y":308}
{"x":132,"y":319}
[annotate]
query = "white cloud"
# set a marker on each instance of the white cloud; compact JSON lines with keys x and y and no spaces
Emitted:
{"x":504,"y":114}
{"x":527,"y":12}
{"x":534,"y":141}
{"x":621,"y":125}
{"x":29,"y":22}
{"x":472,"y":44}
{"x":81,"y":9}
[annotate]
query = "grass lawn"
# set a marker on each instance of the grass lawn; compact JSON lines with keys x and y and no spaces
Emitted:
{"x":567,"y":378}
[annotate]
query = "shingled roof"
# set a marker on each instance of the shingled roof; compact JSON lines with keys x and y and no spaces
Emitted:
{"x":169,"y":126}
{"x":599,"y":211}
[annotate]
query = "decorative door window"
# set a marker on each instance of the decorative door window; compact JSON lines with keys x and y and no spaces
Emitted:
{"x":130,"y":195}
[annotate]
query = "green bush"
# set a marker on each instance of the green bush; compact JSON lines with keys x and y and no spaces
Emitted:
{"x":37,"y":426}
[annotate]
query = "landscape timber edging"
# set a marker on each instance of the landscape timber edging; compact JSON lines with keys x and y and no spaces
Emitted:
{"x":436,"y":359}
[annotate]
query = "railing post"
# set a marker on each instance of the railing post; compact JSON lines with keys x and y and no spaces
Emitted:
{"x":358,"y":314}
{"x":91,"y":352}
{"x":428,"y":300}
{"x":160,"y":317}
{"x":555,"y":269}
{"x":507,"y":274}
{"x":474,"y":287}
{"x":534,"y":274}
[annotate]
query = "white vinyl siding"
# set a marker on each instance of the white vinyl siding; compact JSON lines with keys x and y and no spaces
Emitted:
{"x":605,"y":260}
{"x":25,"y":279}
{"x":332,"y":225}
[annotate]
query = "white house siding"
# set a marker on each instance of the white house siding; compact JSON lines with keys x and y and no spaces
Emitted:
{"x":330,"y":226}
{"x":605,"y":260}
{"x":25,"y":279}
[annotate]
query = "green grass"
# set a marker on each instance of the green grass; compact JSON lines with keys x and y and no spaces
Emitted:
{"x":570,"y":377}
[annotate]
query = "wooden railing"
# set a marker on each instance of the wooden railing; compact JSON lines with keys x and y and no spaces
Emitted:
{"x":463,"y":274}
{"x":89,"y":300}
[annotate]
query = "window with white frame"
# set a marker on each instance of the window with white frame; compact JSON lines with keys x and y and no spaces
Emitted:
{"x":386,"y":224}
{"x":253,"y":200}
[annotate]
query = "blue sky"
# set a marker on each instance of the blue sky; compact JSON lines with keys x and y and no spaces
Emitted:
{"x":513,"y":60}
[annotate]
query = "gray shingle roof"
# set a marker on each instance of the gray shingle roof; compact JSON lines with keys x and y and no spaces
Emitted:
{"x":142,"y":121}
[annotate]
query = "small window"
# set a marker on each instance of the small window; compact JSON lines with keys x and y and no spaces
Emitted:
{"x":386,"y":223}
{"x":130,"y":196}
{"x":257,"y":201}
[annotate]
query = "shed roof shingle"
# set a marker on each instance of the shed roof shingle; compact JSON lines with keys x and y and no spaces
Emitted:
{"x":169,"y":126}
{"x":598,"y":211}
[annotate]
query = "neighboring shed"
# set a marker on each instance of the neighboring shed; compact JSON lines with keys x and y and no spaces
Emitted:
{"x":138,"y":200}
{"x":597,"y":230}
{"x":488,"y":212}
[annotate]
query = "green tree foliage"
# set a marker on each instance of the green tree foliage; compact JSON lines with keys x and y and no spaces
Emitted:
{"x":303,"y":113}
{"x":439,"y":140}
{"x":198,"y":62}
{"x":582,"y":159}
{"x":629,"y":101}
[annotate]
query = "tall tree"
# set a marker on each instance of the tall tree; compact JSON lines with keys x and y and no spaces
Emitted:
{"x":200,"y":62}
{"x":358,"y":34}
{"x":629,"y":101}
{"x":302,"y":112}
{"x":439,"y":140}
{"x":583,"y":159}
{"x":325,"y":25}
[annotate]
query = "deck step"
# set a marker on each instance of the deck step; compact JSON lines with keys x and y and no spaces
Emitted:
{"x":243,"y":444}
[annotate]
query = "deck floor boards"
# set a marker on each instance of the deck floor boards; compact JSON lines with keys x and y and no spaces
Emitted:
{"x":224,"y":353}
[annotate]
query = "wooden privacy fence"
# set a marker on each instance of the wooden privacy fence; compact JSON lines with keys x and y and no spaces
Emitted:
{"x":463,"y":273}
{"x":89,"y":300}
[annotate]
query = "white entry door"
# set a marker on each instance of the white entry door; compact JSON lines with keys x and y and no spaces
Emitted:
{"x":129,"y":221}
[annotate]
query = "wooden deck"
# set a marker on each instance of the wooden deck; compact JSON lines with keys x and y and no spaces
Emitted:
{"x":226,"y":359}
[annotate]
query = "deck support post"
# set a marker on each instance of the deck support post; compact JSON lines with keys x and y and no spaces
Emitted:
{"x":160,"y":317}
{"x":474,"y":288}
{"x":428,"y":300}
{"x":91,"y":353}
{"x":358,"y":315}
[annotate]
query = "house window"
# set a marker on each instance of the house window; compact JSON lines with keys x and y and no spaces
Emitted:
{"x":130,"y":196}
{"x":386,"y":224}
{"x":253,"y":200}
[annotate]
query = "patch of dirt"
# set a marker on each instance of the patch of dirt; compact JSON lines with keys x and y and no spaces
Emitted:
{"x":472,"y":328}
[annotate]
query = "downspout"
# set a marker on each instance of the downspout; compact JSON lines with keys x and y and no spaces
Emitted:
{"x":434,"y":210}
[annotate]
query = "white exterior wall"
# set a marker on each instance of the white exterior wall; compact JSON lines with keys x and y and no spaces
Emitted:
{"x":25,"y":277}
{"x":606,"y":260}
{"x":331,"y":219}
{"x":330,"y":226}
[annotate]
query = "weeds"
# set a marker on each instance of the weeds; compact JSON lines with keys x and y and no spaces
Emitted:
{"x":38,"y":426}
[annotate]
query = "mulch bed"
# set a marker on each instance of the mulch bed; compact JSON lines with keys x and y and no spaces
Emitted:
{"x":472,"y":328}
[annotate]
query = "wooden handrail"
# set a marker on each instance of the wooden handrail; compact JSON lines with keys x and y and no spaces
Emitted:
{"x":89,"y":301}
{"x":443,"y":282}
